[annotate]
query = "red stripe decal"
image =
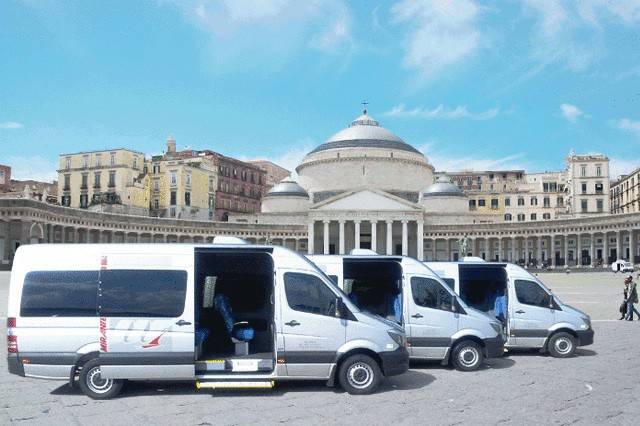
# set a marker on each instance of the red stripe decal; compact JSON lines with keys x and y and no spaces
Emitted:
{"x":103,"y":334}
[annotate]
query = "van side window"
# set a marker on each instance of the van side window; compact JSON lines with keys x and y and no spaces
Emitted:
{"x":142,"y":293}
{"x":59,"y":294}
{"x":429,"y":293}
{"x":530,"y":293}
{"x":308,"y":293}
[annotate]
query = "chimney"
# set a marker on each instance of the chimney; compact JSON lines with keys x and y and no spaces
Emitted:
{"x":171,"y":145}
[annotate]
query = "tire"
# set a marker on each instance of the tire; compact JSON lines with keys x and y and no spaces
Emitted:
{"x":562,"y":345}
{"x":94,"y":386}
{"x":467,"y":356}
{"x":359,"y":375}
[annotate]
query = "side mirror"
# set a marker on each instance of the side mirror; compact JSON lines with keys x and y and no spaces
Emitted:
{"x":454,"y":303}
{"x":340,"y":308}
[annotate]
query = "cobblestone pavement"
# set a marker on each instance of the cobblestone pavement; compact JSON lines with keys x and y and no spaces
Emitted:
{"x":598,"y":386}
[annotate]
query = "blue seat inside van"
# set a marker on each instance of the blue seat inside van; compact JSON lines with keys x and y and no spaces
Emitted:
{"x":237,"y":330}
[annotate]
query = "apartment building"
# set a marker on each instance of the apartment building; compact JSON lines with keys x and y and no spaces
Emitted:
{"x":109,"y":180}
{"x":5,"y":178}
{"x":624,"y":193}
{"x":203,"y":185}
{"x":274,"y":173}
{"x":588,"y":184}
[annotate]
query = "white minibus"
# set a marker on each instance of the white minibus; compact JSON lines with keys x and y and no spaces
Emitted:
{"x":222,"y":315}
{"x":438,"y":325}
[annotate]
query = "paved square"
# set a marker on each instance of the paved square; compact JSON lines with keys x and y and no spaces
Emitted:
{"x":599,"y":386}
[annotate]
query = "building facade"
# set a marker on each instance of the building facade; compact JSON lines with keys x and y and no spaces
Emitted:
{"x":5,"y":178}
{"x":274,"y":173}
{"x":625,"y":193}
{"x":587,"y":184}
{"x":110,"y":180}
{"x":363,"y":188}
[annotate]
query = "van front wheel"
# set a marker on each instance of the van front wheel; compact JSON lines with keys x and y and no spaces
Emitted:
{"x":359,"y":375}
{"x":467,"y":356}
{"x":94,"y":386}
{"x":562,"y":345}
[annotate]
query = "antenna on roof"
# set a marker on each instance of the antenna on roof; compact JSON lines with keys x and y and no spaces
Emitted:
{"x":364,"y":104}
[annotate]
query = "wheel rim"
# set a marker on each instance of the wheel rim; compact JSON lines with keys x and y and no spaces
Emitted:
{"x":96,"y":383}
{"x":563,"y":345}
{"x":468,"y":356}
{"x":360,"y":375}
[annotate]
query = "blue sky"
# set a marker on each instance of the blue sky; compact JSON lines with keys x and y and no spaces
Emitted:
{"x":472,"y":84}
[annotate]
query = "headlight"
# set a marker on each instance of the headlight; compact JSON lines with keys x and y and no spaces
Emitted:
{"x":497,"y":327}
{"x":587,"y":322}
{"x":399,"y":338}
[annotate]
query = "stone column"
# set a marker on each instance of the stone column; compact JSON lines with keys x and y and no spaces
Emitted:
{"x":448,"y":248}
{"x":341,"y":236}
{"x":374,"y":235}
{"x":357,"y":233}
{"x":592,"y":249}
{"x":405,"y":238}
{"x":51,"y":234}
{"x":565,"y":244}
{"x":605,"y":248}
{"x":514,"y":253}
{"x":325,"y":236}
{"x":579,"y":250}
{"x":389,"y":237}
{"x":552,"y":250}
{"x":310,"y":237}
{"x":618,"y":245}
{"x":539,"y":254}
{"x":434,"y":249}
{"x":499,"y":249}
{"x":420,"y":239}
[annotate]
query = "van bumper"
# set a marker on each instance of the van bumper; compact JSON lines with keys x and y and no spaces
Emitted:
{"x":14,"y":365}
{"x":395,"y":362}
{"x":494,"y":346}
{"x":585,"y":337}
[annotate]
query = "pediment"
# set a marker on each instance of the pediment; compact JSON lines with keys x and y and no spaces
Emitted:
{"x":367,"y":200}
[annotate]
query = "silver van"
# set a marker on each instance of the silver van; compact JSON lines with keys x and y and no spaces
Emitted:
{"x":221,"y":315}
{"x":403,"y":290}
{"x":535,"y":318}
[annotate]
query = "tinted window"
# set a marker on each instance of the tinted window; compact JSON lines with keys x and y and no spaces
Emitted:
{"x":307,"y":293}
{"x":139,"y":293}
{"x":59,"y":293}
{"x":530,"y":293}
{"x":429,"y":293}
{"x":450,"y":282}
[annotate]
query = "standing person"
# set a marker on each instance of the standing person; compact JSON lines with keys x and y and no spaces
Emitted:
{"x":625,"y":294}
{"x":500,"y":307}
{"x":632,"y":298}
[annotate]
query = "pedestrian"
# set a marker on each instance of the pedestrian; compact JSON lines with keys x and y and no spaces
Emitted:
{"x":625,"y":293}
{"x":500,"y":307}
{"x":632,"y":298}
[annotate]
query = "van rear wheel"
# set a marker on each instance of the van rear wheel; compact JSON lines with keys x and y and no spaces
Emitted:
{"x":94,"y":386}
{"x":562,"y":345}
{"x":359,"y":375}
{"x":467,"y":356}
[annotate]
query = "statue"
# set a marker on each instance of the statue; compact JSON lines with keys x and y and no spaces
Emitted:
{"x":26,"y":193}
{"x":463,"y":246}
{"x":45,"y":195}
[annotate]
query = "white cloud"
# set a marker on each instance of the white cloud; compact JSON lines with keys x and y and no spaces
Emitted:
{"x":621,"y":166}
{"x":11,"y":125}
{"x":264,"y":34}
{"x":570,"y":32}
{"x":34,"y":167}
{"x":571,"y":112}
{"x":442,"y":33}
{"x":441,"y":112}
{"x":446,"y":162}
{"x":628,"y":125}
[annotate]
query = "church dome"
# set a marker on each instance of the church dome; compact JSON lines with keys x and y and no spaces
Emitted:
{"x":287,"y":188}
{"x":443,"y":187}
{"x":365,"y":132}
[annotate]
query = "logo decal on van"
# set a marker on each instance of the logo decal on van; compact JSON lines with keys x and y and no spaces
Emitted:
{"x":103,"y":334}
{"x":154,"y":342}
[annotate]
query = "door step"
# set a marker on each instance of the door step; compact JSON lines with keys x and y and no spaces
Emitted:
{"x":244,"y":365}
{"x":210,"y":384}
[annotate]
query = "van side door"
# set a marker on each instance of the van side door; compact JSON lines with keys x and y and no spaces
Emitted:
{"x":146,"y":322}
{"x":530,"y":314}
{"x":430,"y":320}
{"x":311,"y":331}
